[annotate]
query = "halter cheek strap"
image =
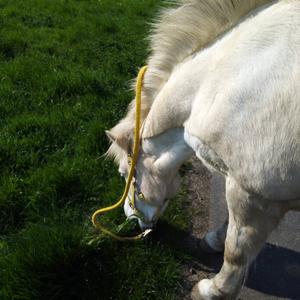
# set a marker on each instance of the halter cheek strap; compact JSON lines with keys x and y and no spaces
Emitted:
{"x":137,"y":195}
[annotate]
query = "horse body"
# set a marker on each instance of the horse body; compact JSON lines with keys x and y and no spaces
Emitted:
{"x":253,"y":101}
{"x":241,"y":97}
{"x":236,"y":105}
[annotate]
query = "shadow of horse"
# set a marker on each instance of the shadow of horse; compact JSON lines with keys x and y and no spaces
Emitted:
{"x":275,"y":271}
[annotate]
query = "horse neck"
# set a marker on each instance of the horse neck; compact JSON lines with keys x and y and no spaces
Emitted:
{"x":174,"y":101}
{"x":172,"y":106}
{"x":169,"y":148}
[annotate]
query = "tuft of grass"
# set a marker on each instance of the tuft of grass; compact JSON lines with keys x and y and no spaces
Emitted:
{"x":49,"y":262}
{"x":52,"y":261}
{"x":65,"y":68}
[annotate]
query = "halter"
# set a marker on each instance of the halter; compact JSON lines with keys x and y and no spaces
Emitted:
{"x":136,"y":193}
{"x":132,"y":159}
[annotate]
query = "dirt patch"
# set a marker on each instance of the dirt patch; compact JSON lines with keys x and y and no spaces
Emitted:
{"x":201,"y":265}
{"x":198,"y":185}
{"x":196,"y":263}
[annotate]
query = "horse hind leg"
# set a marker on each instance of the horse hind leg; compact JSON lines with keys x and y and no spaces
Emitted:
{"x":251,"y":220}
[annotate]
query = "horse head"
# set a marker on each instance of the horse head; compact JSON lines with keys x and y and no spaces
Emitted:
{"x":156,"y":177}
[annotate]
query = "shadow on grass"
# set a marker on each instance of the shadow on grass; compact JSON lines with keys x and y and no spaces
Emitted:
{"x":183,"y":241}
{"x":276,"y":270}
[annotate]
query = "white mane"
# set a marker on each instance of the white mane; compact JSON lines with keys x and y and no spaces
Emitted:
{"x":179,"y":32}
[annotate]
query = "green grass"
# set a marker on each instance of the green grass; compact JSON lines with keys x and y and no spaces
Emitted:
{"x":65,"y":67}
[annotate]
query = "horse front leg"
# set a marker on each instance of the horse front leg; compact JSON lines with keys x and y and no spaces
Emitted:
{"x":251,"y":219}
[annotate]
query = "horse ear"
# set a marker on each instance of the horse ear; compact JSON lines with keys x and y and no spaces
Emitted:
{"x":110,"y":136}
{"x":120,"y":135}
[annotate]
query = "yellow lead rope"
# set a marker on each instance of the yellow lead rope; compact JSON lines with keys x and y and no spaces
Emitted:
{"x":136,"y":144}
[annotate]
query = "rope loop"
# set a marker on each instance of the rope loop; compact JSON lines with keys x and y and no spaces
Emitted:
{"x":132,"y":163}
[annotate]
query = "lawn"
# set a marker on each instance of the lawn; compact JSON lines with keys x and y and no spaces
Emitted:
{"x":65,"y":71}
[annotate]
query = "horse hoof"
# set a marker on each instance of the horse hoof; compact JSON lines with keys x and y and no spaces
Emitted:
{"x":204,"y":290}
{"x":195,"y":295}
{"x":207,"y":248}
{"x":211,"y":243}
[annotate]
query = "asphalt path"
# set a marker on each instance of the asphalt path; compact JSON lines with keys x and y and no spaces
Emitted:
{"x":275,"y":274}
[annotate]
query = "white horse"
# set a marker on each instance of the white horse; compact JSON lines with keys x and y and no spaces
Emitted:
{"x":223,"y":82}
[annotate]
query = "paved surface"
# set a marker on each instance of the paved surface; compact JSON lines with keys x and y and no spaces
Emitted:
{"x":275,"y":274}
